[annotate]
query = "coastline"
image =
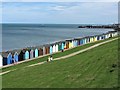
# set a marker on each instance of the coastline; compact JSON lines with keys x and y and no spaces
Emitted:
{"x":52,"y":42}
{"x":28,"y":53}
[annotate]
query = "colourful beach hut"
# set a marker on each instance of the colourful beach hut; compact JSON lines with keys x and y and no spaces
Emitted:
{"x":36,"y":53}
{"x":54,"y":48}
{"x":59,"y":46}
{"x":1,"y":60}
{"x":75,"y":43}
{"x":21,"y":55}
{"x":87,"y":39}
{"x":16,"y":56}
{"x":9,"y":58}
{"x":63,"y":45}
{"x":78,"y":42}
{"x":70,"y":44}
{"x":81,"y":41}
{"x":26,"y":55}
{"x":47,"y":49}
{"x":40,"y":51}
{"x":31,"y":54}
{"x":67,"y":45}
{"x":98,"y":38}
{"x":44,"y":50}
{"x":51,"y":49}
{"x":91,"y":39}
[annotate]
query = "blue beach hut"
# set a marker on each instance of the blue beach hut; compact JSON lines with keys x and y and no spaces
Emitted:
{"x":36,"y":52}
{"x":26,"y":56}
{"x":9,"y":58}
{"x":63,"y":44}
{"x":16,"y":56}
{"x":51,"y":49}
{"x":76,"y":43}
{"x":81,"y":41}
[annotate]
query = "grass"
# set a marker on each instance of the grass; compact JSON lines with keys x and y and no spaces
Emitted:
{"x":91,"y":69}
{"x":56,"y":55}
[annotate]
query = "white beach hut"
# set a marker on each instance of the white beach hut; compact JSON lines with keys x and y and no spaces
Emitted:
{"x":56,"y":48}
{"x":1,"y":61}
{"x":53,"y":48}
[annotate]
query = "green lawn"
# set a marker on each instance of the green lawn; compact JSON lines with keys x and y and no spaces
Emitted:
{"x":91,"y":69}
{"x":56,"y":55}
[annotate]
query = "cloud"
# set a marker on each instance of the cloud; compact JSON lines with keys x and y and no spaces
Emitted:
{"x":60,"y":0}
{"x":58,"y":8}
{"x":60,"y":12}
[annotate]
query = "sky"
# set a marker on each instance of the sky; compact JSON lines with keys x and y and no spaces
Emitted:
{"x":60,"y":12}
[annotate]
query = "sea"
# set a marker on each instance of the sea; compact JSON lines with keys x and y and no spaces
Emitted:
{"x":18,"y":36}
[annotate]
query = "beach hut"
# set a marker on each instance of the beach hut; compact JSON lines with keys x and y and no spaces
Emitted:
{"x":67,"y":45}
{"x":92,"y":39}
{"x":109,"y":35}
{"x":31,"y":54}
{"x":4,"y":55}
{"x":78,"y":42}
{"x":47,"y":49}
{"x":102,"y":37}
{"x":51,"y":49}
{"x":44,"y":50}
{"x":63,"y":45}
{"x":16,"y":57}
{"x":75,"y":43}
{"x":40,"y":51}
{"x":87,"y":39}
{"x":26,"y":55}
{"x":70,"y":44}
{"x":59,"y":46}
{"x":21,"y":55}
{"x":1,"y":60}
{"x":98,"y":38}
{"x":95,"y":38}
{"x":7,"y":58}
{"x":81,"y":41}
{"x":54,"y":48}
{"x":36,"y":52}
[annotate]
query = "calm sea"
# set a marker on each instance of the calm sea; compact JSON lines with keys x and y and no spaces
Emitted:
{"x":15,"y":36}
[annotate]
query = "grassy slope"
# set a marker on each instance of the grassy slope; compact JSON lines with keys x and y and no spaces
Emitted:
{"x":88,"y":69}
{"x":59,"y":54}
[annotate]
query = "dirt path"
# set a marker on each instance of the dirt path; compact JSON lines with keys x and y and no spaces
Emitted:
{"x":67,"y":56}
{"x":81,"y":51}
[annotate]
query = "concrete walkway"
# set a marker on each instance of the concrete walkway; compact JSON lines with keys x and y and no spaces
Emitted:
{"x":67,"y":56}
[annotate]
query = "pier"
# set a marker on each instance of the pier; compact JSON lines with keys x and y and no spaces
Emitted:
{"x":116,"y":27}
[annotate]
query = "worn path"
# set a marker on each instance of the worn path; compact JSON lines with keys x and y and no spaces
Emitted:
{"x":67,"y":56}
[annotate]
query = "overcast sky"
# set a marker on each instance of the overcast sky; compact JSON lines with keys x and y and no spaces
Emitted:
{"x":60,"y":12}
